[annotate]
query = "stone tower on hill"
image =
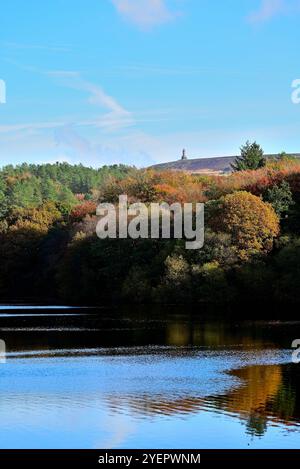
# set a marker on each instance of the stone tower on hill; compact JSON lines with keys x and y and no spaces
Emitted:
{"x":184,"y":157}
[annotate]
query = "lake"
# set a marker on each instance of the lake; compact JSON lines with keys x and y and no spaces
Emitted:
{"x":102,"y":378}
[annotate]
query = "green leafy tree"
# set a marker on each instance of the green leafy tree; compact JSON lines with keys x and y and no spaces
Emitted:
{"x":252,"y":157}
{"x":49,"y":189}
{"x":280,"y":197}
{"x":25,"y":193}
{"x":3,"y":199}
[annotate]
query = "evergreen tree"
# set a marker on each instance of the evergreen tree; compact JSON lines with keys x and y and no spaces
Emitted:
{"x":252,"y":157}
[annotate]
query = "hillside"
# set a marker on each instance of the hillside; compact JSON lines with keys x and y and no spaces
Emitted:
{"x":213,"y":165}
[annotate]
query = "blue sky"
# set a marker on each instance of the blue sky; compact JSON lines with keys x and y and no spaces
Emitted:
{"x":135,"y":81}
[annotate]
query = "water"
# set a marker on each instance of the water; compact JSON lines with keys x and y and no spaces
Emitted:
{"x":97,"y":378}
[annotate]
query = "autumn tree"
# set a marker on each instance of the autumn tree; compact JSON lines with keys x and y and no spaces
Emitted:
{"x":81,"y":210}
{"x":23,"y":252}
{"x":252,"y":223}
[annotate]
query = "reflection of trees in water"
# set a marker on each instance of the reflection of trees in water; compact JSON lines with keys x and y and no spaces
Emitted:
{"x":258,"y":384}
{"x":251,"y":400}
{"x":256,"y":424}
{"x":281,"y":407}
{"x":146,"y":405}
{"x":266,"y":393}
{"x":284,"y":402}
{"x":263,"y":397}
{"x":218,"y":334}
{"x":269,"y":394}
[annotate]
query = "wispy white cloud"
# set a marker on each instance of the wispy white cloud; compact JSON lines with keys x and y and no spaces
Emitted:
{"x":44,"y":47}
{"x":7,"y":128}
{"x":103,"y":149}
{"x":115,"y":117}
{"x":146,"y":70}
{"x":145,"y":13}
{"x":68,"y":137}
{"x":269,"y":9}
{"x":58,"y":73}
{"x":95,"y":139}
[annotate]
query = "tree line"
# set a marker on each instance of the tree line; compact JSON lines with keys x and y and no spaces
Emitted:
{"x":49,"y":249}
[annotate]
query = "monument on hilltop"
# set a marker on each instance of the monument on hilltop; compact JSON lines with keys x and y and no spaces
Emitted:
{"x":184,"y":157}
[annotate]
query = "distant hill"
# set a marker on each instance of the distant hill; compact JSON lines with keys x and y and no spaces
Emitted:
{"x":213,"y":165}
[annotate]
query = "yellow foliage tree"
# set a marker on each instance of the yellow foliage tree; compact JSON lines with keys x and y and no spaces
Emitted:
{"x":252,"y":223}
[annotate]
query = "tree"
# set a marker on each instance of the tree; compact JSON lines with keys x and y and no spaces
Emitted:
{"x":252,"y":157}
{"x":39,"y":219}
{"x":25,"y":193}
{"x":81,"y":210}
{"x":252,"y":223}
{"x":210,"y":284}
{"x":287,"y":261}
{"x":280,"y":197}
{"x":176,"y":282}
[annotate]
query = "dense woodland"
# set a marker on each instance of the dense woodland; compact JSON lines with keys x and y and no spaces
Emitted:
{"x":49,"y":250}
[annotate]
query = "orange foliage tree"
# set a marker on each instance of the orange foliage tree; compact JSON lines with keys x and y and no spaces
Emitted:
{"x":176,"y":186}
{"x":81,"y":210}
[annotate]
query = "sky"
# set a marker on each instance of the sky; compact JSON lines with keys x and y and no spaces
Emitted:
{"x":136,"y":81}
